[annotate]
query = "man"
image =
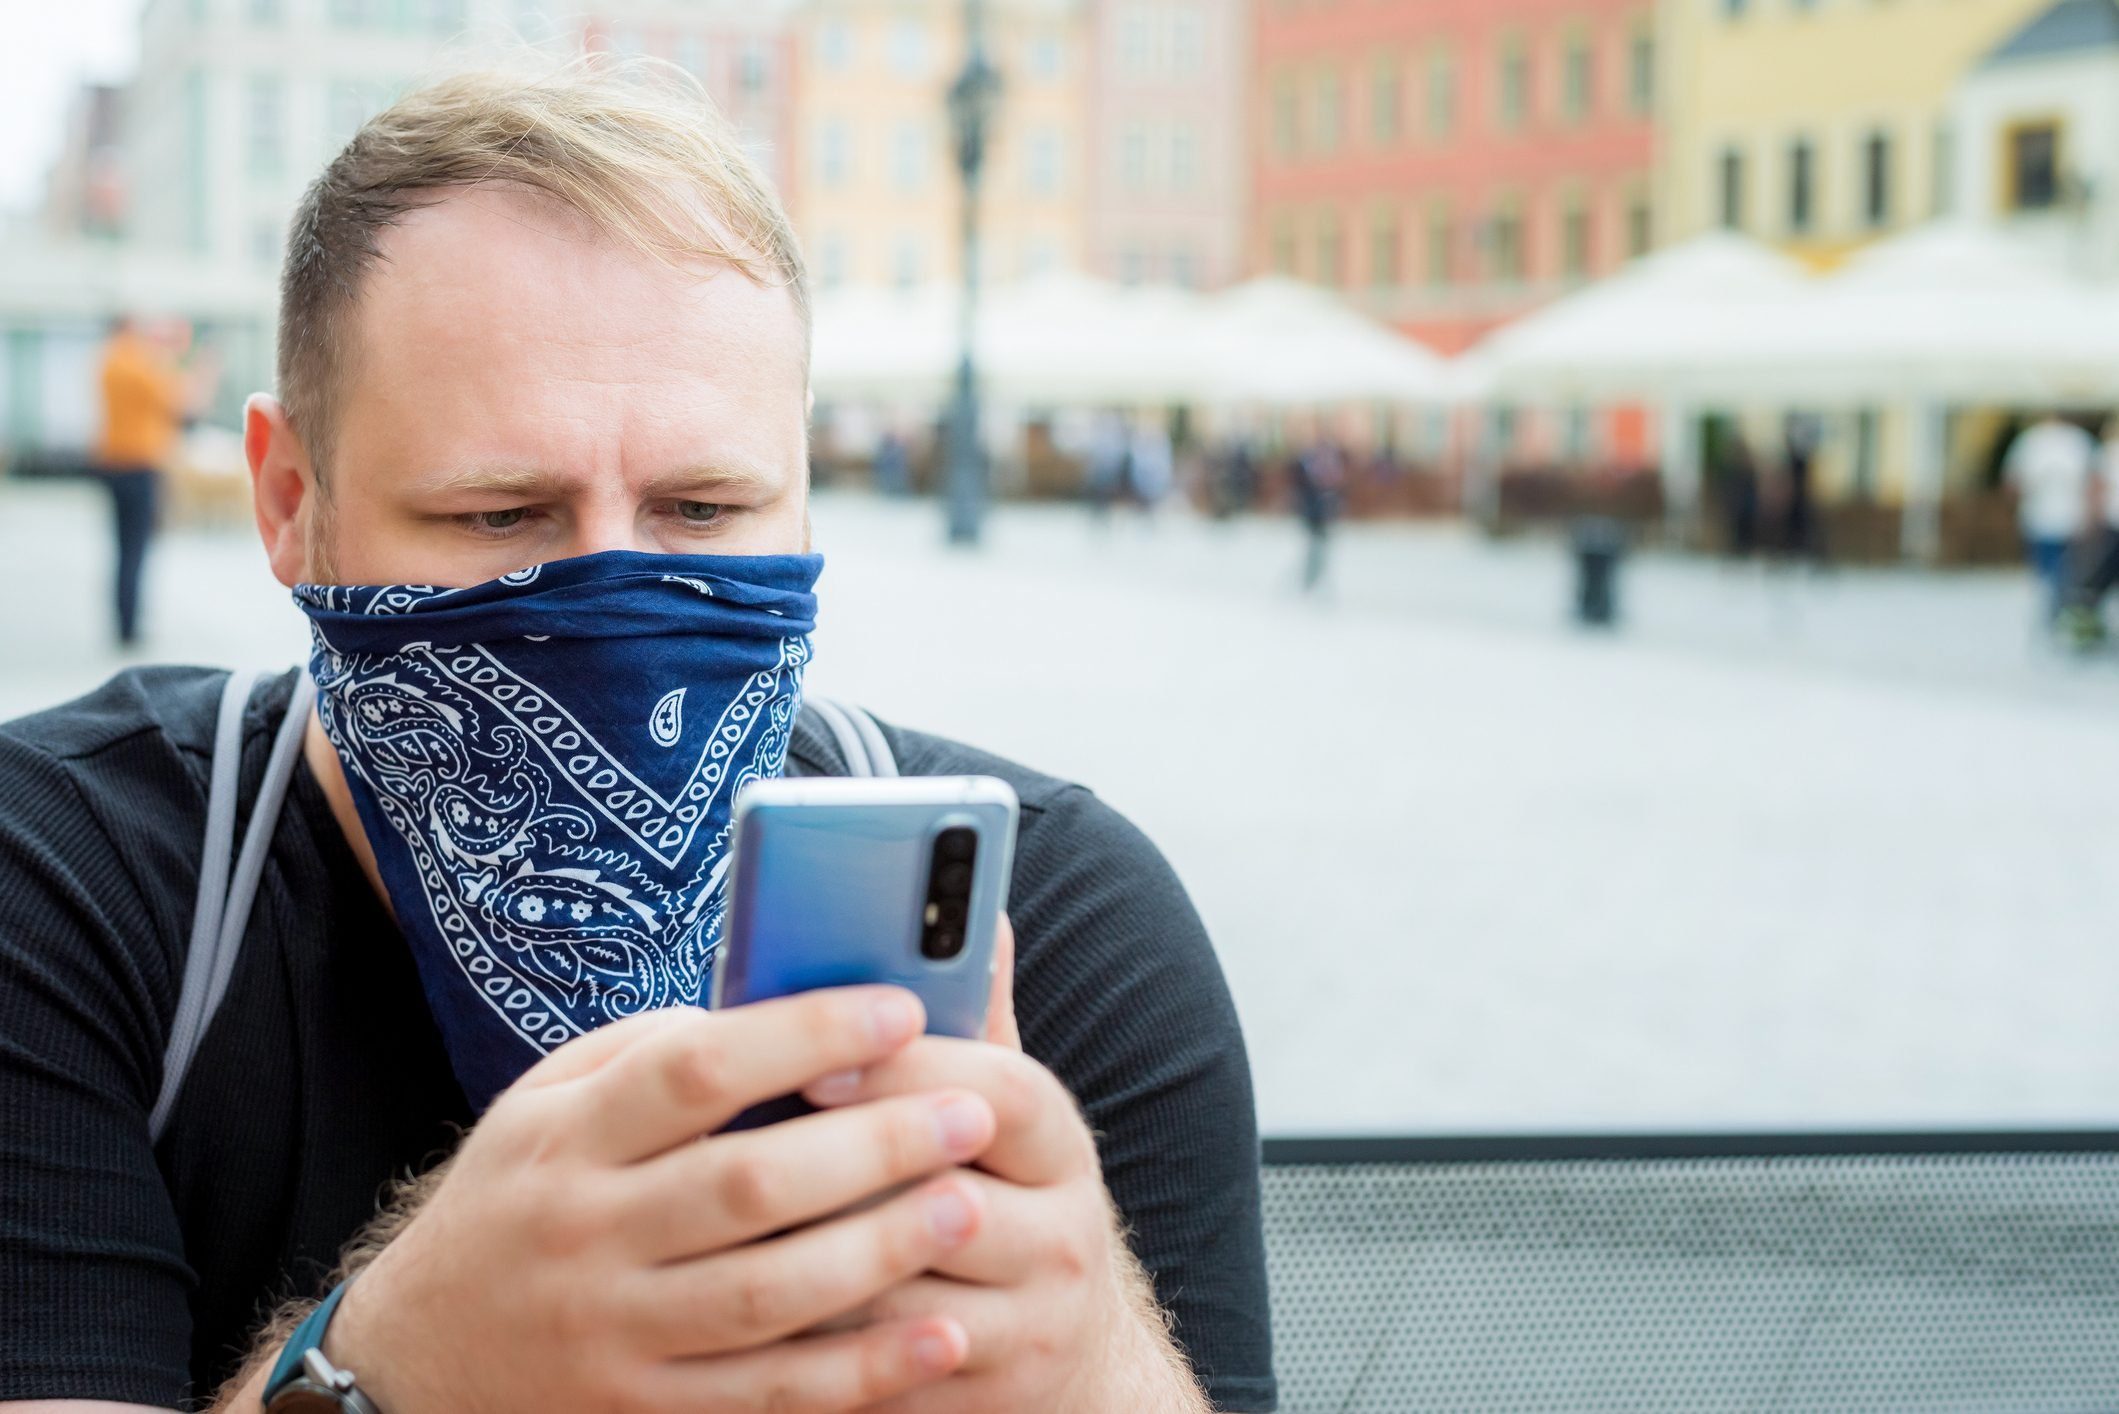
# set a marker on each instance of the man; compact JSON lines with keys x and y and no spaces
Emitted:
{"x":145,"y":400}
{"x":543,"y":362}
{"x":2050,"y":465}
{"x":1320,"y":478}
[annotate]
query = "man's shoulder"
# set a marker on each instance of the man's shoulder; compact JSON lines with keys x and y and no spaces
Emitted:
{"x":925,"y":754}
{"x":172,"y":702}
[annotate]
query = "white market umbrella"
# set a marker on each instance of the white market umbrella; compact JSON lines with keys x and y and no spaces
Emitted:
{"x":884,"y":345}
{"x":1948,"y":312}
{"x":1643,"y":332}
{"x":1276,"y":342}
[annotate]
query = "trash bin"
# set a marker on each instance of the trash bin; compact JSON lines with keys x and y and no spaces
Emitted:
{"x":1599,"y":546}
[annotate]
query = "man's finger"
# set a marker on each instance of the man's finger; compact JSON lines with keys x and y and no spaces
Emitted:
{"x":732,"y":1188}
{"x":826,"y":1374}
{"x":1000,"y":1004}
{"x":1042,"y":1137}
{"x":755,"y":1295}
{"x":691,"y":1077}
{"x":593,"y":1049}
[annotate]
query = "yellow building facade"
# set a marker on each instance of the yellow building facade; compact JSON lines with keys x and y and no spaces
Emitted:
{"x":1817,"y":125}
{"x":874,"y":190}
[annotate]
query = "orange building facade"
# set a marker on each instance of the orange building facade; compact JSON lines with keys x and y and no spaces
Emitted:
{"x":1448,"y":165}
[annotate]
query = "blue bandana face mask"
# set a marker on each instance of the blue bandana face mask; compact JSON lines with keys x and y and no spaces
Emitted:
{"x":545,"y":767}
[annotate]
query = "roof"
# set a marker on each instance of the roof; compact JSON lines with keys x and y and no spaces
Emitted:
{"x":2068,"y":27}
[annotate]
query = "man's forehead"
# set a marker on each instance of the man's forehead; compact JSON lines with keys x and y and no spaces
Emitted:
{"x":500,"y":263}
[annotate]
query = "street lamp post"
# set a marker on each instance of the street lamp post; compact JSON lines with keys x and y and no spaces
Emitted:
{"x":971,"y":102}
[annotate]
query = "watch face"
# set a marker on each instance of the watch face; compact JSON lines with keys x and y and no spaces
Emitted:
{"x":302,"y":1397}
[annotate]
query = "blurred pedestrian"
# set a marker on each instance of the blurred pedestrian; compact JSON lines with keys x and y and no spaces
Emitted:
{"x":1151,"y":467}
{"x":1320,"y":480}
{"x":1109,"y":451}
{"x":1740,"y":495}
{"x":1235,"y":477}
{"x":2051,"y":464}
{"x":1799,"y":528}
{"x":2098,"y":564}
{"x":893,"y":464}
{"x":146,"y":400}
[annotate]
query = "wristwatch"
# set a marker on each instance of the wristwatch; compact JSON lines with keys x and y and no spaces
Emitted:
{"x":304,"y":1381}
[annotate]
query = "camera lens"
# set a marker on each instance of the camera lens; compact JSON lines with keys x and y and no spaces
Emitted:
{"x":953,"y":879}
{"x":941,"y":945}
{"x":952,"y":913}
{"x":956,"y":846}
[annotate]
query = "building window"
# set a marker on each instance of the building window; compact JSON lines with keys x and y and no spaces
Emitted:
{"x":908,"y":157}
{"x":1133,"y":157}
{"x":1439,"y":266}
{"x":753,"y":67}
{"x":1876,"y":179}
{"x":834,"y":154}
{"x":1640,"y":225}
{"x":1505,"y":241}
{"x":1046,"y":59}
{"x":1385,"y":102}
{"x":1184,"y":269}
{"x":1640,"y":67}
{"x":1575,"y":253}
{"x":1188,"y":41}
{"x":1329,"y":269}
{"x":2032,"y":154}
{"x":1734,"y":9}
{"x":1802,"y":182}
{"x":907,"y":268}
{"x":1283,"y":244}
{"x":1184,"y":158}
{"x":1136,"y":44}
{"x":1329,"y":101}
{"x":1512,"y":83}
{"x":691,"y":55}
{"x":835,"y":46}
{"x":265,"y":243}
{"x":831,"y":260}
{"x":908,"y":49}
{"x":1729,"y":178}
{"x":1942,"y":184}
{"x":1383,"y":249}
{"x":1441,"y":93}
{"x":1043,"y":163}
{"x":1287,"y":117}
{"x":266,"y":123}
{"x":1578,"y":78}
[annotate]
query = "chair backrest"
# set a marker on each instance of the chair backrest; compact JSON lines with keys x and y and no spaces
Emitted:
{"x":1837,"y":1272}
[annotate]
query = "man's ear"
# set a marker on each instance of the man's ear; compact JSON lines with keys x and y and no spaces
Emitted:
{"x":283,"y":490}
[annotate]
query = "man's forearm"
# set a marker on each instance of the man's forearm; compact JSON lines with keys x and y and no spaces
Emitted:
{"x":1148,"y":1372}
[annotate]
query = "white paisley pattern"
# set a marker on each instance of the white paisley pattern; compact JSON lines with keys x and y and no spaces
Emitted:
{"x":568,"y":890}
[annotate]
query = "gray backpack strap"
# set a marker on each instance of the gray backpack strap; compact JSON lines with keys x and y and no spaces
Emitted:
{"x":228,"y":880}
{"x":860,"y":743}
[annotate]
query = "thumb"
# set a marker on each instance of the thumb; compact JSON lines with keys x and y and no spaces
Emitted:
{"x":1000,"y":1005}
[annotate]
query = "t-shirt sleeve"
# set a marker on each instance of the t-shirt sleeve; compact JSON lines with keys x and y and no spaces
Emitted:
{"x":93,"y":1284}
{"x":1121,"y":995}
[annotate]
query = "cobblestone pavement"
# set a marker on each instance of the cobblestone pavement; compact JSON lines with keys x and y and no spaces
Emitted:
{"x":1787,"y":851}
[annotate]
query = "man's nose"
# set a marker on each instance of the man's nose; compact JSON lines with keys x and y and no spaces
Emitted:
{"x":608,"y":525}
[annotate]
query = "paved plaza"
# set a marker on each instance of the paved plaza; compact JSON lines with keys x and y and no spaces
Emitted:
{"x":1786,"y":851}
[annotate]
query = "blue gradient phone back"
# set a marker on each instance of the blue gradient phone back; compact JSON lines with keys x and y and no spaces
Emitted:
{"x":829,"y":886}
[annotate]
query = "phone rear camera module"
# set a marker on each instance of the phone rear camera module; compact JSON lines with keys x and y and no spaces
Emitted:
{"x":953,"y":880}
{"x":948,"y":903}
{"x":956,"y":846}
{"x":940,"y":945}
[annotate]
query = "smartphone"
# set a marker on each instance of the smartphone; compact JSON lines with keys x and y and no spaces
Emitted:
{"x":837,"y":882}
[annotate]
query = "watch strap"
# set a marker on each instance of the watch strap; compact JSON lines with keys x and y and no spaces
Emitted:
{"x":308,"y":1336}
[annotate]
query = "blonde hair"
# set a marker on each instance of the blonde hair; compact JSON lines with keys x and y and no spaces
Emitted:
{"x":634,"y":146}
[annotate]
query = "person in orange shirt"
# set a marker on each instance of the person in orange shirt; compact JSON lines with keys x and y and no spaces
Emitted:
{"x":145,"y":402}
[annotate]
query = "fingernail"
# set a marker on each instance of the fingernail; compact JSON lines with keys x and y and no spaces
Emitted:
{"x":893,"y":1018}
{"x":949,"y":1216}
{"x":961,"y":1121}
{"x":934,"y":1352}
{"x":838,"y":1088}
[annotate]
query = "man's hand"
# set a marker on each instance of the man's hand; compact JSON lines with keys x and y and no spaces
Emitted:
{"x":1059,"y":1316}
{"x":589,"y":1251}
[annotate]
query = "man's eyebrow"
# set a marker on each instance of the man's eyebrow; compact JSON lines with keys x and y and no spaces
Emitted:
{"x":547,"y":483}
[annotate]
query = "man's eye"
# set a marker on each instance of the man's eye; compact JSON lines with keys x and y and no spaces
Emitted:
{"x":699,"y":512}
{"x":500,"y":520}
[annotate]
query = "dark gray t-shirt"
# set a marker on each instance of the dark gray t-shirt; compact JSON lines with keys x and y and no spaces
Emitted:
{"x":135,"y":1272}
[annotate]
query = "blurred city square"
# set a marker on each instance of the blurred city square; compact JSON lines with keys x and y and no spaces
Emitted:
{"x":1791,"y":851}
